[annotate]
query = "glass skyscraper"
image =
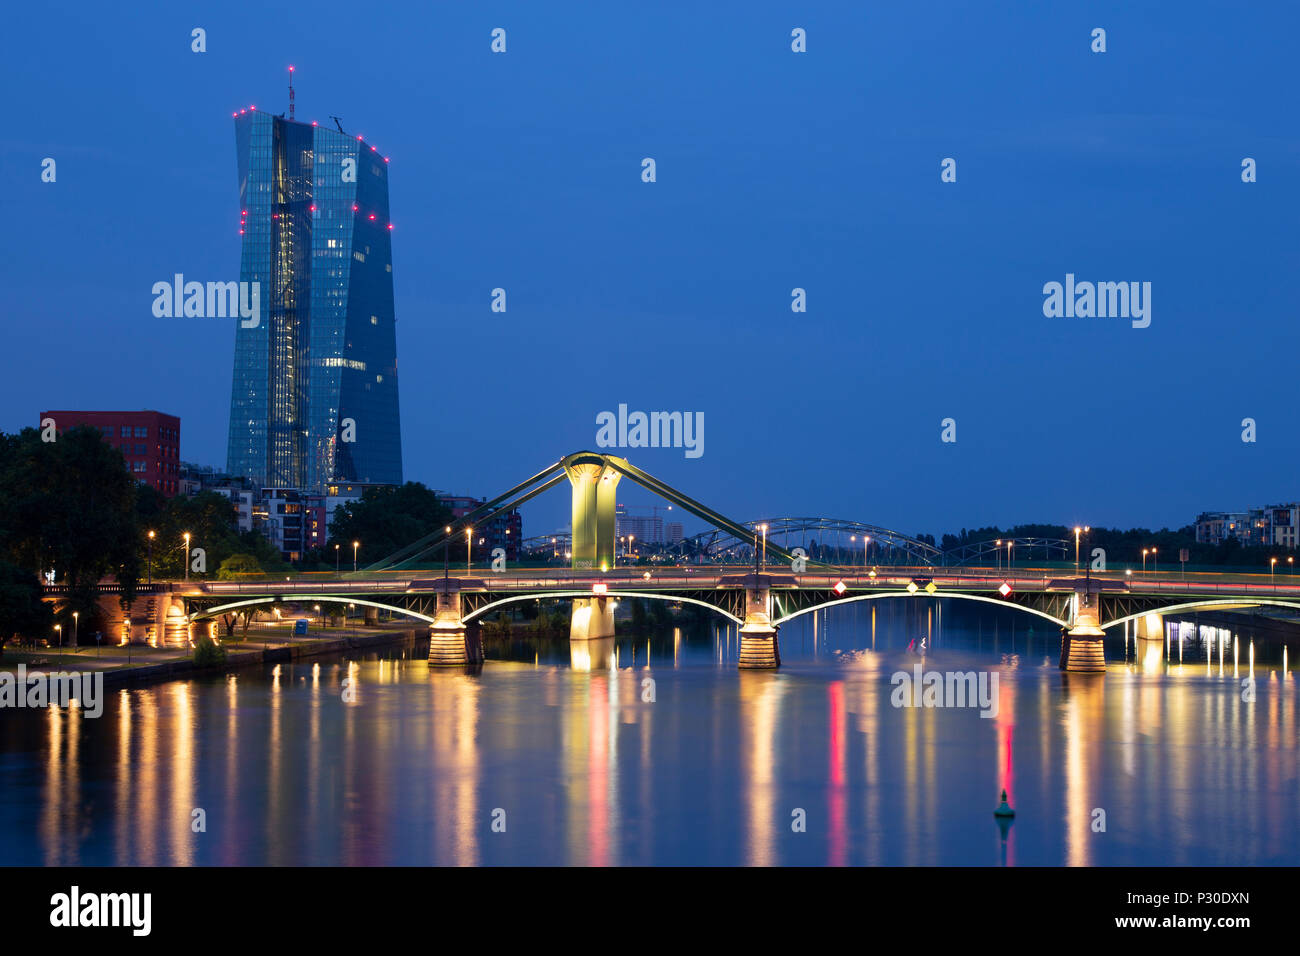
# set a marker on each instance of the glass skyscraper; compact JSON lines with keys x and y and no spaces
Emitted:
{"x":314,"y":399}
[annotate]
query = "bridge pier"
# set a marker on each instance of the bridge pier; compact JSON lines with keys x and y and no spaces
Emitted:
{"x":1081,"y":646}
{"x":759,"y":648}
{"x":450,"y":643}
{"x":593,"y":619}
{"x":1150,"y":627}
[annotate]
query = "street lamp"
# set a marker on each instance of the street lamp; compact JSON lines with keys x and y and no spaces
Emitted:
{"x":59,"y":628}
{"x":469,"y":549}
{"x":998,"y":544}
{"x":355,"y":545}
{"x":1272,"y":565}
{"x":764,"y":545}
{"x":1144,"y":560}
{"x":1155,"y":561}
{"x":1077,"y":531}
{"x":76,"y":615}
{"x":186,"y":536}
{"x":151,"y":559}
{"x":866,"y":542}
{"x":631,"y":546}
{"x":1010,"y":545}
{"x":446,"y":543}
{"x":336,"y":558}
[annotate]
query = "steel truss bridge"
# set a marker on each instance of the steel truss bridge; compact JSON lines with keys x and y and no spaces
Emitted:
{"x":749,"y":576}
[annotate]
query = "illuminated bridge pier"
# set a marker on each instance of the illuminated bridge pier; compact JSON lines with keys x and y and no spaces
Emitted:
{"x":450,"y":641}
{"x":759,"y":649}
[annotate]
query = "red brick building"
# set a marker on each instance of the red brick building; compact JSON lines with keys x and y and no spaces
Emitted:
{"x":149,"y":441}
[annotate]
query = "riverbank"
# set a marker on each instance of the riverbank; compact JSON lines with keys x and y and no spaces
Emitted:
{"x":136,"y":663}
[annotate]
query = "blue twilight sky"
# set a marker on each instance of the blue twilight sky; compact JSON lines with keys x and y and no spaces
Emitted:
{"x":775,"y":170}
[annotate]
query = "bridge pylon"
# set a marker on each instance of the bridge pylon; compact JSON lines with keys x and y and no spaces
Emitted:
{"x":758,"y":642}
{"x":594,"y":500}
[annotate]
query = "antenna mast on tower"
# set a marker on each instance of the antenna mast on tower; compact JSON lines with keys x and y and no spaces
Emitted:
{"x":291,"y":94}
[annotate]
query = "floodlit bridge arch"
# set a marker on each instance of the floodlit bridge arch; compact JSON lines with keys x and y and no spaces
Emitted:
{"x":1223,"y":604}
{"x":903,"y":595}
{"x":307,"y":599}
{"x":587,"y":596}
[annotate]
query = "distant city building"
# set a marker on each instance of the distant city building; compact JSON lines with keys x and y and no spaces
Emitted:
{"x":1271,"y":526}
{"x":279,"y":515}
{"x":504,"y":531}
{"x":314,"y":394}
{"x":149,"y":441}
{"x":238,"y":491}
{"x":1283,"y":521}
{"x":649,"y":528}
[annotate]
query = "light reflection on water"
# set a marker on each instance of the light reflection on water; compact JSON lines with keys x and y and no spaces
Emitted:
{"x":561,"y":744}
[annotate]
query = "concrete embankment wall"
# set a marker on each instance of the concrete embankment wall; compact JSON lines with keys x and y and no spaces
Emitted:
{"x":169,"y":670}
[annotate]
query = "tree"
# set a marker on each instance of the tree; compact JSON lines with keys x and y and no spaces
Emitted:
{"x":387,"y":519}
{"x":237,"y":566}
{"x":69,"y":506}
{"x":22,"y":612}
{"x":207,"y":517}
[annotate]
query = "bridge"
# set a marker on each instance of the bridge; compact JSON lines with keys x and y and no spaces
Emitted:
{"x":781,"y":584}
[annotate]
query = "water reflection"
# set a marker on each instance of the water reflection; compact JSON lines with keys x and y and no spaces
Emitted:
{"x":656,"y":749}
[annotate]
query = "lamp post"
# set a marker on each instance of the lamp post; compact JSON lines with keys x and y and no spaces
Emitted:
{"x":1144,"y":560}
{"x":469,"y":549}
{"x":446,"y":543}
{"x":631,"y":546}
{"x":355,"y":545}
{"x":186,"y":536}
{"x":764,"y":545}
{"x":1077,"y":532}
{"x":336,"y":559}
{"x":1155,"y":561}
{"x":76,"y":616}
{"x":1087,"y":571}
{"x":866,"y":543}
{"x":59,"y":628}
{"x":1010,"y":545}
{"x":1272,"y":566}
{"x":998,"y":544}
{"x":151,"y":559}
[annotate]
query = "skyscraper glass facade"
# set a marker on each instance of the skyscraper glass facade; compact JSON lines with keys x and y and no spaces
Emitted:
{"x":314,"y":398}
